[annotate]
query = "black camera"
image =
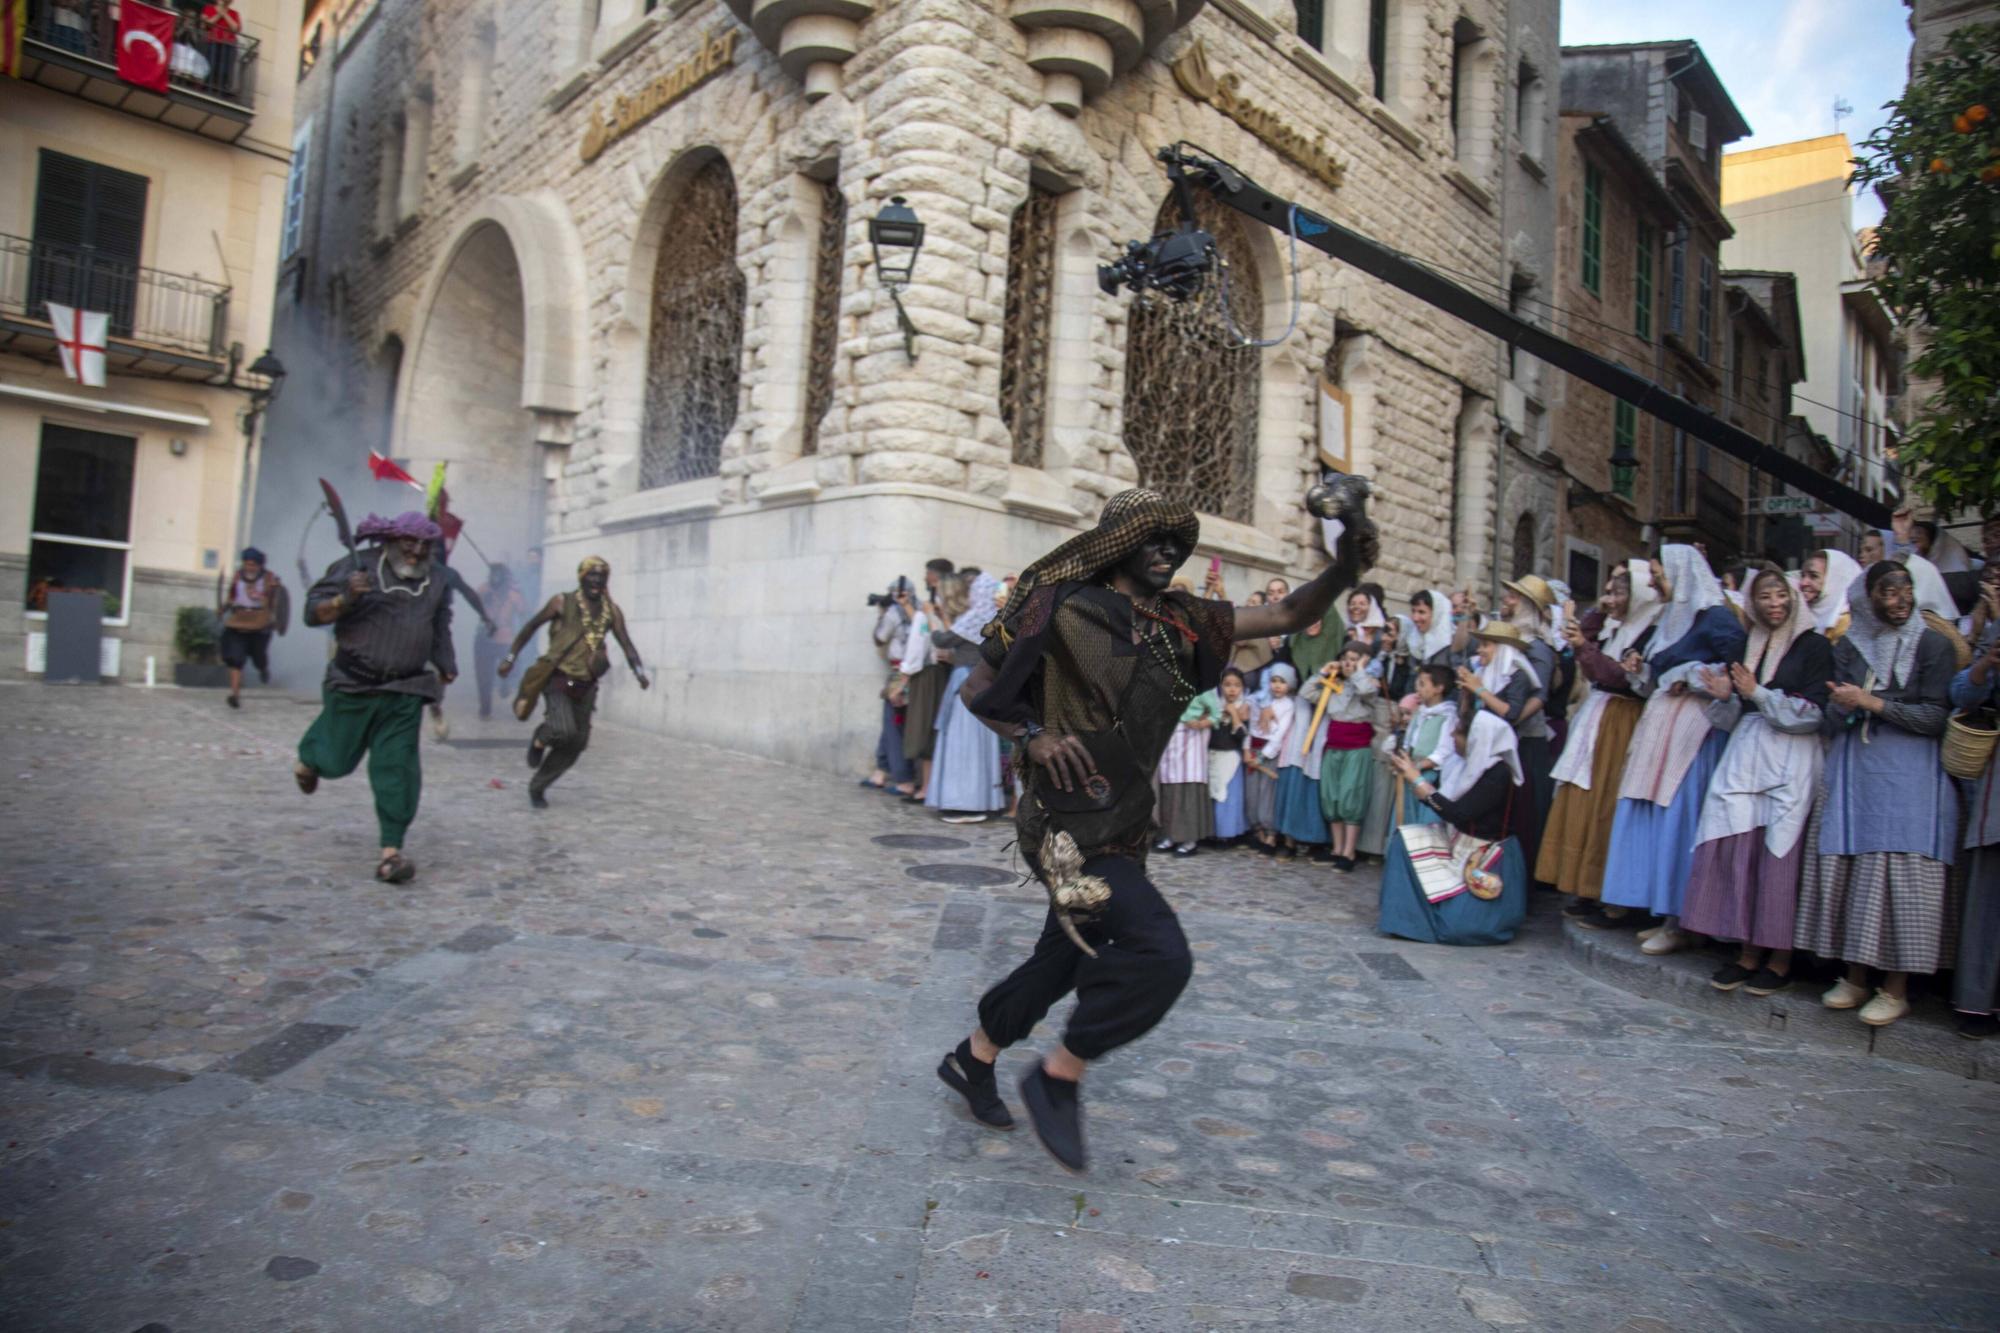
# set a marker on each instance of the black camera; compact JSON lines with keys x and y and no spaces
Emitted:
{"x":889,"y":598}
{"x":1174,"y":263}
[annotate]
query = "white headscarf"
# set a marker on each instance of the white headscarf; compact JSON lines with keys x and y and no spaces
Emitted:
{"x":1507,"y":659}
{"x":1438,"y":638}
{"x":1489,"y":741}
{"x":1932,"y":594}
{"x":1890,"y":651}
{"x":1373,"y":620}
{"x":1642,"y":608}
{"x":1841,"y":571}
{"x":980,"y":610}
{"x":1695,"y":589}
{"x":1766,"y":643}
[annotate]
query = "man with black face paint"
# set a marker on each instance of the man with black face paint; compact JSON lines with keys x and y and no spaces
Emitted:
{"x":566,"y":676}
{"x":1088,"y":670}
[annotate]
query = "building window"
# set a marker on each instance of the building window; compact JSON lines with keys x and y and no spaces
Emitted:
{"x":295,"y":191}
{"x":1704,"y":311}
{"x":89,"y":222}
{"x":475,"y":96}
{"x":389,"y":365}
{"x":1736,"y":354}
{"x":1378,"y":47}
{"x":389,"y":176}
{"x":82,"y":535}
{"x":413,"y":159}
{"x":1642,"y":282}
{"x":1191,"y":392}
{"x":1624,"y":435}
{"x":695,"y":344}
{"x":1593,"y":230}
{"x":1530,"y":108}
{"x":1524,"y":546}
{"x":1312,"y":22}
{"x":1024,"y":349}
{"x":1677,"y":287}
{"x":823,"y":337}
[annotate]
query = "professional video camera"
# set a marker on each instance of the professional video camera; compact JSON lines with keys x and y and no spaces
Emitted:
{"x":896,"y":585}
{"x":1173,"y":263}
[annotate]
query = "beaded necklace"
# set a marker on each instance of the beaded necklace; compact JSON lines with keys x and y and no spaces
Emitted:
{"x":1156,"y":637}
{"x":594,"y":630}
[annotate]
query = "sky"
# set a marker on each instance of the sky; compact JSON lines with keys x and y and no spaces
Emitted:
{"x":1783,"y":61}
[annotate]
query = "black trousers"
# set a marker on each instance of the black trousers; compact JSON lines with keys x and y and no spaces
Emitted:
{"x":564,"y":733}
{"x":486,"y":655}
{"x":1141,"y":968}
{"x":247,"y":645}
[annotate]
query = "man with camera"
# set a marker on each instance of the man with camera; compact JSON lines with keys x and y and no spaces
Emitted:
{"x":897,"y":609}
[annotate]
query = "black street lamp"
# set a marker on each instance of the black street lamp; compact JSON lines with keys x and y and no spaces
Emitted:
{"x":1624,"y":464}
{"x":896,"y":236}
{"x":273,"y":372}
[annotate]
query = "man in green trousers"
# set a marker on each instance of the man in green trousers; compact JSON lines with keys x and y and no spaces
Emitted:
{"x":390,"y":608}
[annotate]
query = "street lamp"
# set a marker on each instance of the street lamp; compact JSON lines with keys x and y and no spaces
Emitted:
{"x":273,"y":372}
{"x":267,"y":378}
{"x":896,"y":237}
{"x":1624,"y":464}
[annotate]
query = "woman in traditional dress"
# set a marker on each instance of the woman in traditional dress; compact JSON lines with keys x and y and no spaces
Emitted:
{"x":1938,"y":608}
{"x":1346,"y":739}
{"x":1529,"y":605}
{"x":966,"y":781}
{"x":1976,"y":987}
{"x":1430,"y":614}
{"x":1576,"y":838}
{"x":1876,"y":890}
{"x":1428,"y":741}
{"x":1186,"y":812}
{"x":1749,"y":851}
{"x":1271,"y":725}
{"x":1476,"y":801}
{"x":1225,"y":758}
{"x":1506,"y":684}
{"x":1396,"y":671}
{"x":1299,"y":817}
{"x":1674,"y":751}
{"x":1364,"y":617}
{"x":1824,"y":579}
{"x":923,"y":691}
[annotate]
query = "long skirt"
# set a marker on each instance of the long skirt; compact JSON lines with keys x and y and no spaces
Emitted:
{"x":1891,"y":910}
{"x":1461,"y":919}
{"x":1577,"y":836}
{"x":1187,"y":812}
{"x":1739,"y":892}
{"x":1652,"y":846}
{"x":1529,"y":814}
{"x":1260,"y":801}
{"x":1298,"y":807}
{"x":1976,"y":988}
{"x":920,"y":718}
{"x":965,"y":774}
{"x":1232,"y":819}
{"x":1380,"y":822}
{"x":1346,"y":779}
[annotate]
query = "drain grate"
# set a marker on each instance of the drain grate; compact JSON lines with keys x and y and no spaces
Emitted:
{"x":949,"y":873}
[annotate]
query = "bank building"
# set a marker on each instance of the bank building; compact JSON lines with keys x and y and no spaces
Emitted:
{"x":612,"y":263}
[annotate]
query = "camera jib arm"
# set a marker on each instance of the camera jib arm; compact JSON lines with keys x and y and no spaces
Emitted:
{"x":1163,"y":265}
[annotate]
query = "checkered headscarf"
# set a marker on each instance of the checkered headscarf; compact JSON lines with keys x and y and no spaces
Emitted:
{"x":1128,"y":519}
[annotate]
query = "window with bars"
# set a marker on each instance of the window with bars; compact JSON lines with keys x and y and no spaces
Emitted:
{"x":695,"y":345}
{"x":1642,"y":282}
{"x":1704,"y":311}
{"x":1677,"y":287}
{"x":1191,"y":388}
{"x":1524,"y":546}
{"x":89,"y":222}
{"x":1624,"y":435}
{"x":1024,"y":351}
{"x":1593,"y":230}
{"x":823,"y":338}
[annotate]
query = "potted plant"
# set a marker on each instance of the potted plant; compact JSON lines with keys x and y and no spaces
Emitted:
{"x":195,"y":645}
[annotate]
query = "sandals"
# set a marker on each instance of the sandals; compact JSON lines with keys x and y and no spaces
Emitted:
{"x":307,"y":779}
{"x":396,"y":869}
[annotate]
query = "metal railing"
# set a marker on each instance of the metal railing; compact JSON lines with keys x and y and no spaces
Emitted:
{"x":166,"y":310}
{"x":89,"y":28}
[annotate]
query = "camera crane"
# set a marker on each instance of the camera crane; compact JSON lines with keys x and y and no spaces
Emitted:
{"x":1175,"y":263}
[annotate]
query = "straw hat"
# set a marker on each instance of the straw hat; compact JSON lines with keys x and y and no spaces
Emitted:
{"x":1500,"y":631}
{"x":1535,"y":588}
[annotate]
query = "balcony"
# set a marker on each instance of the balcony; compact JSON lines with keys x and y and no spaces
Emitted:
{"x":166,"y":325}
{"x":71,"y":46}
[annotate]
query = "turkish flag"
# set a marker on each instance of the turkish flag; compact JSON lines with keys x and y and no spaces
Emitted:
{"x":145,"y":43}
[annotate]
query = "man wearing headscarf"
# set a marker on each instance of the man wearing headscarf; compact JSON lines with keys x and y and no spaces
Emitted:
{"x":254,"y":604}
{"x":391,"y":618}
{"x":566,"y":676}
{"x":1088,"y":671}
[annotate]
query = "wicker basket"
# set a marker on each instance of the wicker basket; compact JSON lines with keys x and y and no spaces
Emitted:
{"x":1968,"y":744}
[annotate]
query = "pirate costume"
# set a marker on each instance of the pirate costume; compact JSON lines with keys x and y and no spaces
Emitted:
{"x":565,"y":679}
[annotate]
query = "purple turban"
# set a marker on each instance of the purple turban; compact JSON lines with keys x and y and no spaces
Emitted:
{"x":411,"y":524}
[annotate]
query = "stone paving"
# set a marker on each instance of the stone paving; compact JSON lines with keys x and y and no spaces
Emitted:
{"x":660,"y":1059}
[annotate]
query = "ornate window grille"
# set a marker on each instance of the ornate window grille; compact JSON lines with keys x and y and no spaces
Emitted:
{"x":694,"y":350}
{"x":1190,"y":392}
{"x":823,"y":337}
{"x":1524,"y":546}
{"x":1024,"y":354}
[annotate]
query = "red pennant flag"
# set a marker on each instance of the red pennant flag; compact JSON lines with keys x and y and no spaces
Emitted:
{"x":386,"y":470}
{"x":145,"y":44}
{"x":450,"y":522}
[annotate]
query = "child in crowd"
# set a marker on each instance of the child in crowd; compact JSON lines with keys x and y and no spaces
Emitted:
{"x":1344,"y":736}
{"x":1186,"y":814}
{"x":1270,"y":724}
{"x":1225,"y":758}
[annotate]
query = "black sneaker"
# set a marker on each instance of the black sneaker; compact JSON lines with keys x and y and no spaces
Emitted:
{"x":1057,"y":1114}
{"x":537,"y":800}
{"x":1582,"y":907}
{"x":1730,"y":977}
{"x":1767,"y":982}
{"x":1321,"y":856}
{"x":1595,"y":919}
{"x":1978,"y":1027}
{"x":973,"y":1080}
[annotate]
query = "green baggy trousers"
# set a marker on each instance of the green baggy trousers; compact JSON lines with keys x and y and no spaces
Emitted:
{"x":386,"y":728}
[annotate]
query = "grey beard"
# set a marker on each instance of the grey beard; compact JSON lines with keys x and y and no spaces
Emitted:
{"x":412,"y":572}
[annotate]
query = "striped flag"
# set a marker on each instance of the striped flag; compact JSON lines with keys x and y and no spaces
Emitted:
{"x":13,"y":27}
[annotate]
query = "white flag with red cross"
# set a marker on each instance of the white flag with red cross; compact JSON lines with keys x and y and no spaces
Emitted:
{"x":80,"y":336}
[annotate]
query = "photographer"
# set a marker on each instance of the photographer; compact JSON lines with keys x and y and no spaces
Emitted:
{"x":924,"y":679}
{"x":897,"y":609}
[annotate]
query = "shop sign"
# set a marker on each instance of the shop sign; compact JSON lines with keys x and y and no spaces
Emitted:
{"x":1281,"y":132}
{"x":628,"y":113}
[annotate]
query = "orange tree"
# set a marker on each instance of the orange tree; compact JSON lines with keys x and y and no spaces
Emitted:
{"x":1936,"y":164}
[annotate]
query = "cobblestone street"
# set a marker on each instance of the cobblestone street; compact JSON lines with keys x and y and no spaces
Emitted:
{"x":659,"y":1058}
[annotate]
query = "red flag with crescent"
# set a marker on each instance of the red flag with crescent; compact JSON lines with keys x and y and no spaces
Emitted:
{"x":145,"y":43}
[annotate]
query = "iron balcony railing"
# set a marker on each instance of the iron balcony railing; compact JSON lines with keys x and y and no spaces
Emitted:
{"x":171,"y":311}
{"x":89,"y":28}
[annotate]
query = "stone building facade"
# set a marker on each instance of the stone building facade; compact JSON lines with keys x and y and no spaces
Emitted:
{"x":611,"y":263}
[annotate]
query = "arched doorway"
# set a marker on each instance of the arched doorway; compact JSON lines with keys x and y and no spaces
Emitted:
{"x":463,"y":407}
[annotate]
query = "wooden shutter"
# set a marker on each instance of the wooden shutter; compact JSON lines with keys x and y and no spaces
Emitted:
{"x":90,"y":223}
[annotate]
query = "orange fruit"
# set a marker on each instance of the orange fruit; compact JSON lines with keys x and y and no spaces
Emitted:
{"x":1976,"y":113}
{"x":1939,"y":166}
{"x":1961,"y":124}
